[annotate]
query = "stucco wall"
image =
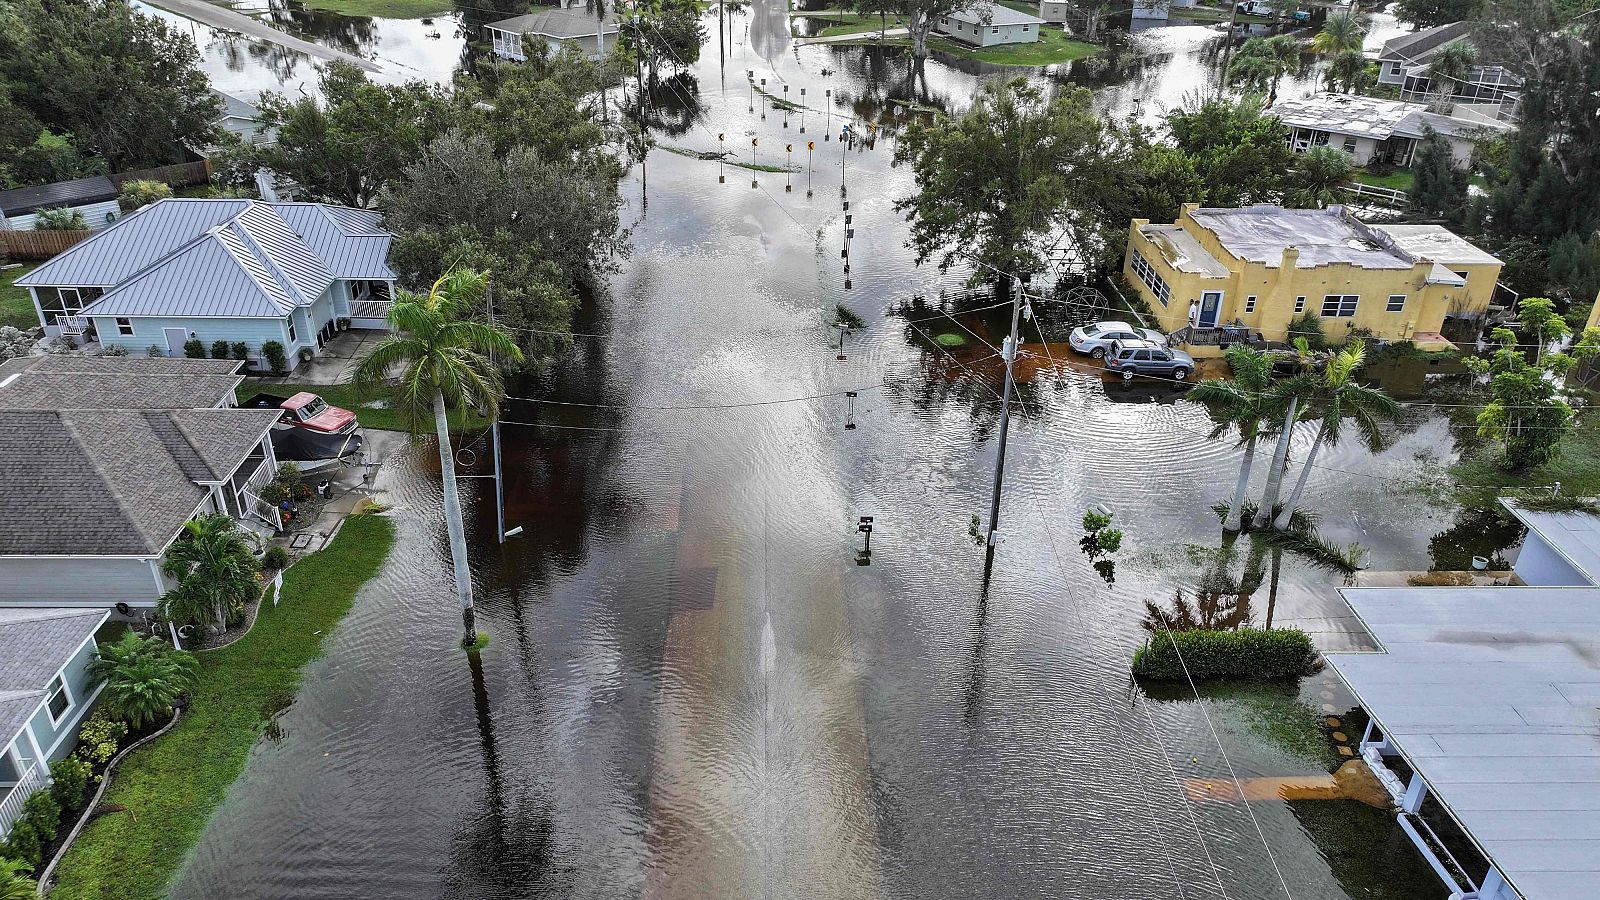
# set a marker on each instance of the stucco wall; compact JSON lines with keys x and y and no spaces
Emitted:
{"x":1538,"y":564}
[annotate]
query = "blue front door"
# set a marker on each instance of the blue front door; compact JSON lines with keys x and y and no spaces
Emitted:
{"x":1210,"y":304}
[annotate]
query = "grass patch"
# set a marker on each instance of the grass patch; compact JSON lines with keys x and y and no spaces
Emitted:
{"x":1398,"y":180}
{"x":1053,"y":46}
{"x":171,"y":786}
{"x":843,"y":23}
{"x":16,"y":307}
{"x":383,"y":9}
{"x":1476,"y":481}
{"x":380,"y":418}
{"x":949,"y":339}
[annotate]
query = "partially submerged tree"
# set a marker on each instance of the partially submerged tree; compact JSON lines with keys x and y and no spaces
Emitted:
{"x":1243,"y":403}
{"x":921,"y":15}
{"x":1528,"y":412}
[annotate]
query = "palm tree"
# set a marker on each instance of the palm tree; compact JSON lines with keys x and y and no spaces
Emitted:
{"x":143,"y":678}
{"x":1255,"y":69}
{"x":1337,"y":396}
{"x":1289,"y":397}
{"x":215,"y":570}
{"x":1341,"y":33}
{"x":446,"y":361}
{"x":1319,"y":172}
{"x":1241,"y":402}
{"x":1448,"y":68}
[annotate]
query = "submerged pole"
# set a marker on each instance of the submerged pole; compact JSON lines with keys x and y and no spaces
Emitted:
{"x":1009,"y":352}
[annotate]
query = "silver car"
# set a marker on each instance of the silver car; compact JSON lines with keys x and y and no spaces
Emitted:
{"x":1130,"y":358}
{"x":1095,"y":338}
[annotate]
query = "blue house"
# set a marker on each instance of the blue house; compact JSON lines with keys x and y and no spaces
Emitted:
{"x":44,"y":695}
{"x":241,"y":271}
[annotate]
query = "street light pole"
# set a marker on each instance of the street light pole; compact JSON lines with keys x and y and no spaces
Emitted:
{"x":1009,"y":352}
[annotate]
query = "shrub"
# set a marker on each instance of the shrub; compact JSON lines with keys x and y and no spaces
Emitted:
{"x":1309,"y":326}
{"x":15,"y":343}
{"x":154,"y":351}
{"x":60,"y":220}
{"x":43,"y":812}
{"x":1094,"y":520}
{"x":1110,"y":540}
{"x":99,"y":737}
{"x":194,"y":349}
{"x":240,"y":351}
{"x":273,"y":352}
{"x":69,"y":779}
{"x":14,"y":882}
{"x":275,"y":558}
{"x":115,"y":350}
{"x":220,"y":350}
{"x":135,"y":194}
{"x":1246,"y":653}
{"x":143,"y":677}
{"x":23,"y":844}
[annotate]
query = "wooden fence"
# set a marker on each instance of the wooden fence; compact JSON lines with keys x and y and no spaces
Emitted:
{"x":1379,"y":195}
{"x":38,"y":244}
{"x":176,"y":175}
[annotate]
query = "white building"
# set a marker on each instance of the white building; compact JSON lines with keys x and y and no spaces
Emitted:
{"x":559,"y":26}
{"x":1487,"y":89}
{"x":988,"y":25}
{"x":1373,"y":130}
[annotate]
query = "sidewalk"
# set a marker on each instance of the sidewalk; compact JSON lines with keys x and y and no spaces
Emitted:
{"x":849,"y":38}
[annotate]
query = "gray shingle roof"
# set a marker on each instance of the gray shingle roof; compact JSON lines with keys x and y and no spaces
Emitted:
{"x":995,"y":14}
{"x":77,"y":192}
{"x":106,"y":390}
{"x":34,"y":645}
{"x":560,"y":23}
{"x":67,"y":363}
{"x":113,"y":482}
{"x":194,"y":257}
{"x":1419,"y":45}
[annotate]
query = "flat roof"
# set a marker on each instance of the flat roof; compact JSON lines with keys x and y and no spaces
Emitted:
{"x":1439,"y":244}
{"x":1182,"y":251}
{"x":1373,"y":117}
{"x":1573,"y":535}
{"x":1492,"y":694}
{"x":1323,"y":236}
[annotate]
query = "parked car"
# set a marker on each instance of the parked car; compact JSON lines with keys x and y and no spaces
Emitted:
{"x":1094,"y":338}
{"x":1130,"y":358}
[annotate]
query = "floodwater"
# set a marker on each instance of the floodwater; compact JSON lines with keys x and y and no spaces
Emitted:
{"x":695,"y":688}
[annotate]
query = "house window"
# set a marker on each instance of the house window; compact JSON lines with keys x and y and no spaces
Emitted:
{"x":1350,"y":145}
{"x":1339,"y":306}
{"x":1024,"y":29}
{"x":994,"y":31}
{"x":124,"y":326}
{"x":1299,"y":305}
{"x":292,"y":337}
{"x":1250,"y":303}
{"x":59,"y":700}
{"x":1152,"y":280}
{"x":1397,"y":302}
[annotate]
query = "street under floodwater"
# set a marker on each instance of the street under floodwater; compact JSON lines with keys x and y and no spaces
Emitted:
{"x":694,"y":687}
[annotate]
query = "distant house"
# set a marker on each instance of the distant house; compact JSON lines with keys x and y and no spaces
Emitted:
{"x":242,"y":119}
{"x":103,"y":460}
{"x":1055,"y":11}
{"x":989,"y":24}
{"x":45,"y":691}
{"x":560,"y":26}
{"x":220,"y":270}
{"x":1372,"y":130}
{"x":1263,"y":266}
{"x":1487,"y":90}
{"x":95,"y":197}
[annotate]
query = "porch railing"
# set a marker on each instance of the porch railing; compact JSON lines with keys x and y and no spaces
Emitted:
{"x":1380,"y":195}
{"x":1195,"y":336}
{"x":73,"y":325}
{"x":11,"y":807}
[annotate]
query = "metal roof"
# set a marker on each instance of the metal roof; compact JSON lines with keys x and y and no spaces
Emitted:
{"x":561,"y":23}
{"x":221,"y":257}
{"x":1493,"y":695}
{"x":34,"y":645}
{"x":77,"y":192}
{"x":1575,"y":536}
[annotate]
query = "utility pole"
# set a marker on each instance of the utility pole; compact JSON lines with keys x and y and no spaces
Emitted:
{"x":1009,"y":352}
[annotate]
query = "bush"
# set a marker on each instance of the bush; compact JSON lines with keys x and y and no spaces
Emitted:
{"x":220,"y":350}
{"x":42,"y":812}
{"x":14,"y":881}
{"x":1309,"y":326}
{"x":1110,"y":540}
{"x":275,"y":558}
{"x":240,"y":351}
{"x":135,"y":194}
{"x":143,"y":677}
{"x":69,"y":778}
{"x":99,"y":738}
{"x":1246,"y":653}
{"x":15,"y":343}
{"x":194,"y":349}
{"x":23,"y":844}
{"x":1094,"y":520}
{"x":154,"y":351}
{"x":60,"y":220}
{"x":273,"y":352}
{"x":115,"y":350}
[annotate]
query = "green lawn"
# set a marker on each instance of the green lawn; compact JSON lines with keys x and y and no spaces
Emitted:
{"x":1053,"y":46}
{"x":1399,"y":179}
{"x":346,"y":396}
{"x":383,"y":9}
{"x":1477,"y":482}
{"x":170,"y":787}
{"x":16,"y":307}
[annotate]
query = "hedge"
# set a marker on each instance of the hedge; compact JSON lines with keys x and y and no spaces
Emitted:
{"x":1245,"y":653}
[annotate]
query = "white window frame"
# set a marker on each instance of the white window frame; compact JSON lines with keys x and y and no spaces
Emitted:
{"x":1299,"y":305}
{"x":50,"y":696}
{"x":125,"y":326}
{"x":292,"y":338}
{"x":1340,"y":309}
{"x":1393,"y":307}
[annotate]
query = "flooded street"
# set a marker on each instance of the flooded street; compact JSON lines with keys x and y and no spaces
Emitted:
{"x":694,"y":689}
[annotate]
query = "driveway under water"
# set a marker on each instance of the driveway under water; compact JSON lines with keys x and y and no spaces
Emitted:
{"x":693,"y":689}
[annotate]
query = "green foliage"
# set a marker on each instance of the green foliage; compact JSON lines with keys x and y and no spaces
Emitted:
{"x":664,"y":33}
{"x":1574,"y":266}
{"x":69,"y":778}
{"x":62,"y":219}
{"x":272,"y":352}
{"x":43,"y":812}
{"x":276,"y":558}
{"x":1438,"y":189}
{"x":170,"y":786}
{"x":154,"y":351}
{"x":240,"y":352}
{"x":114,"y":350}
{"x":1241,"y":155}
{"x":139,"y":193}
{"x":1341,"y":34}
{"x":1428,"y":13}
{"x":1245,"y":653}
{"x":1527,"y":411}
{"x":143,"y":678}
{"x":219,"y":349}
{"x":1261,"y":63}
{"x":14,"y":882}
{"x":1094,"y":520}
{"x":1318,"y":175}
{"x":843,"y":316}
{"x":51,"y":157}
{"x":99,"y":737}
{"x":23,"y":843}
{"x":1308,"y":327}
{"x":215,"y":572}
{"x":1109,"y":539}
{"x":194,"y":348}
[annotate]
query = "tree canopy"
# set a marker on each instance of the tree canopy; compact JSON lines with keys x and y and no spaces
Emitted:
{"x":1428,"y":13}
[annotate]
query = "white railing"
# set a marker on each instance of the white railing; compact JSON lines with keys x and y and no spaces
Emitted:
{"x":1381,"y":195}
{"x":11,"y":807}
{"x":73,"y":324}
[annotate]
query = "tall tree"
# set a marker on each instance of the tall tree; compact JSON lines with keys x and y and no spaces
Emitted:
{"x":127,"y":87}
{"x":1428,"y":13}
{"x":1262,"y":62}
{"x":994,"y":182}
{"x":445,"y":361}
{"x":215,"y":571}
{"x":921,"y":16}
{"x":1318,"y":175}
{"x":1241,"y":153}
{"x":344,"y":150}
{"x":1290,"y":397}
{"x":1340,"y":33}
{"x":1337,"y":396}
{"x":1447,"y":70}
{"x":1243,"y":403}
{"x":1528,"y":410}
{"x":1438,"y":189}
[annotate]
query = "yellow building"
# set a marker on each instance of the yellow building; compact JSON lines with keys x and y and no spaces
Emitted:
{"x":1259,"y":267}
